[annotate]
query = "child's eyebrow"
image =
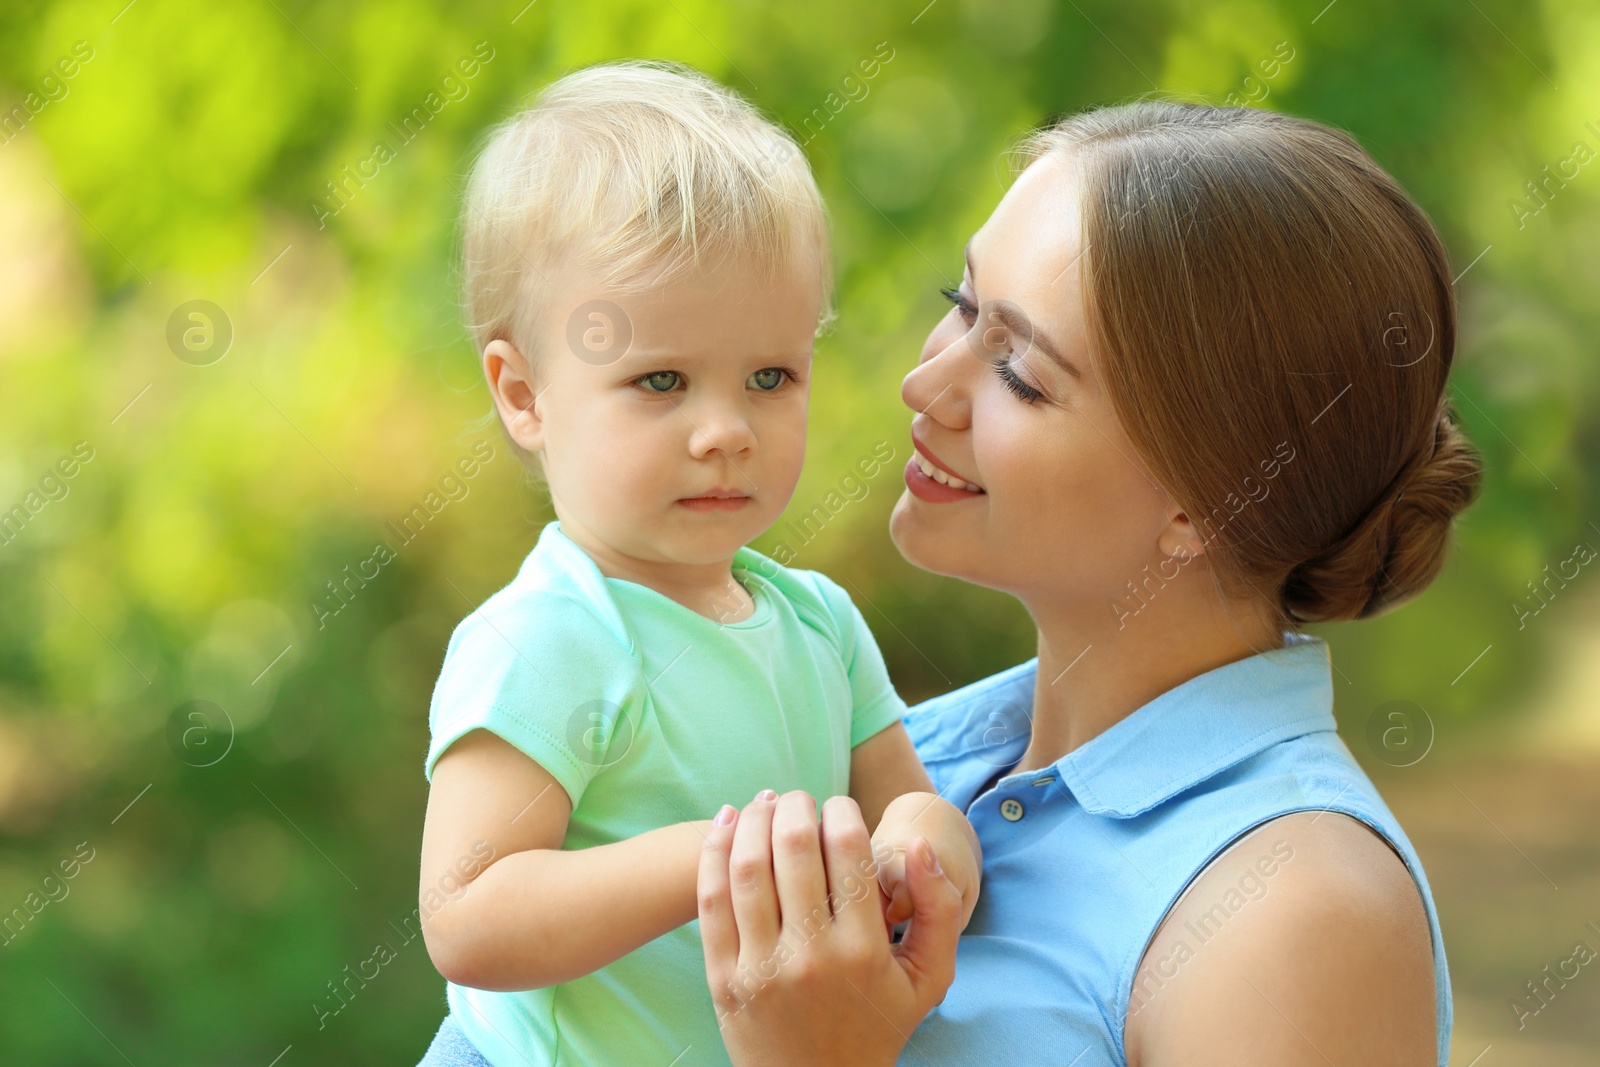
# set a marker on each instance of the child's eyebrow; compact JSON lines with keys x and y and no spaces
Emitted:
{"x":690,"y":357}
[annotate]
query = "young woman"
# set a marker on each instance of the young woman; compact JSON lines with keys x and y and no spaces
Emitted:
{"x":1191,"y":395}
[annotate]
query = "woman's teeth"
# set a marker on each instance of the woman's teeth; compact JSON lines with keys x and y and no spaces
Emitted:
{"x":940,"y":476}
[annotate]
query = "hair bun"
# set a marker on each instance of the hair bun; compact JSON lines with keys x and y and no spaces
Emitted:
{"x":1398,"y":547}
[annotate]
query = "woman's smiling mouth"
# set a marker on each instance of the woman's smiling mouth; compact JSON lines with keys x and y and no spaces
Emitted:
{"x":930,"y":479}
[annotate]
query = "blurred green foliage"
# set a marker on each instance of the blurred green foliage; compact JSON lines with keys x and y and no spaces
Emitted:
{"x":186,"y":158}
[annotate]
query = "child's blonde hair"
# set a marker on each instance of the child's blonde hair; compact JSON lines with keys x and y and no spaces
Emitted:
{"x":640,"y":171}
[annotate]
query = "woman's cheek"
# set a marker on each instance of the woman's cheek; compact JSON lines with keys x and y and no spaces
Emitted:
{"x":1008,"y":463}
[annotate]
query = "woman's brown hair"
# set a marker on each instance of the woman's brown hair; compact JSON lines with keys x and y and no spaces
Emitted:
{"x":1274,"y":321}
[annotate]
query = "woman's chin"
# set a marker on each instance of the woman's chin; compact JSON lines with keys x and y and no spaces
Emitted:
{"x":921,"y":542}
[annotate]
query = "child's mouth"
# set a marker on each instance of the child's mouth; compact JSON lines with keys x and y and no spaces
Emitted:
{"x":715,"y":503}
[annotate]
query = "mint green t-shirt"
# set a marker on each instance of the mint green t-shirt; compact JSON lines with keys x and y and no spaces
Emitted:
{"x":648,"y":713}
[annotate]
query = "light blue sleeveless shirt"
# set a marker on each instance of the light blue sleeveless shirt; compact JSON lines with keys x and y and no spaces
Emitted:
{"x":1082,"y":859}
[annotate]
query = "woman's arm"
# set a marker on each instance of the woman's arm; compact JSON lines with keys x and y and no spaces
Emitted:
{"x":796,"y":958}
{"x":1304,"y":944}
{"x":504,"y":908}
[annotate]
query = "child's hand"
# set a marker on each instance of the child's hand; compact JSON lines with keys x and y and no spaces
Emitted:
{"x":955,"y":844}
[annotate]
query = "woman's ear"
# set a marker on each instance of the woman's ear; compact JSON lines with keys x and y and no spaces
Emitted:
{"x":1181,"y":539}
{"x":515,"y":391}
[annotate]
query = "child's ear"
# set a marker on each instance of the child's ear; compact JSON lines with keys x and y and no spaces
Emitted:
{"x":515,"y":391}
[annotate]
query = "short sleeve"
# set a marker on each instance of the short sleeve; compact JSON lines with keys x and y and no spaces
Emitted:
{"x":543,"y":672}
{"x":875,"y":704}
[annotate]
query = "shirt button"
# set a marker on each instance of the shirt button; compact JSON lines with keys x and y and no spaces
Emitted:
{"x":1011,"y":808}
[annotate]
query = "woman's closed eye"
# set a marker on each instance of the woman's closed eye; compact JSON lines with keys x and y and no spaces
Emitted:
{"x":1008,"y":377}
{"x":1001,"y":362}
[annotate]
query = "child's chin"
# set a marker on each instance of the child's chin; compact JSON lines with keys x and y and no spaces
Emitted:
{"x":708,"y":538}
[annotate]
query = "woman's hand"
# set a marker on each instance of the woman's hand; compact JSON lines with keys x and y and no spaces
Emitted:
{"x":797,"y":958}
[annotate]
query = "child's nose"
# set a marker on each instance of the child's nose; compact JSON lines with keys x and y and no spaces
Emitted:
{"x":725,"y":431}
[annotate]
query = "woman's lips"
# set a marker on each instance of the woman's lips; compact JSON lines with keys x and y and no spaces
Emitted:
{"x":934,"y":492}
{"x":924,"y":455}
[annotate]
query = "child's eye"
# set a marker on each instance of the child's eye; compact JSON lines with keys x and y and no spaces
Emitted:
{"x":769,"y":378}
{"x":661,"y":381}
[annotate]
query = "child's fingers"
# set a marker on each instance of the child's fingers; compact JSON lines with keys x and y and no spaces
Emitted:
{"x":892,"y":880}
{"x":719,"y":934}
{"x":899,"y":909}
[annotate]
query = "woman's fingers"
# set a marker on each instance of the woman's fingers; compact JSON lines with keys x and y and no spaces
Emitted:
{"x":755,"y":901}
{"x":797,"y":864}
{"x":852,"y":872}
{"x":928,"y":949}
{"x":826,"y":1000}
{"x":719,"y":934}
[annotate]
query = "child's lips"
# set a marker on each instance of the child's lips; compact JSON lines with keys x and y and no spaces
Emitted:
{"x":717,"y":500}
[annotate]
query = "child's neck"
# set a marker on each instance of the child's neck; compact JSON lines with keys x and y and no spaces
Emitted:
{"x":708,"y":589}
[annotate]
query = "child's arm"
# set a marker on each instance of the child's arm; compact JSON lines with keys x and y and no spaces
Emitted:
{"x":896,"y":796}
{"x":531,"y":915}
{"x":883,"y":767}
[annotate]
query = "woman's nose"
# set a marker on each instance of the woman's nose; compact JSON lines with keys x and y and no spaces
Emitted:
{"x":938,"y":385}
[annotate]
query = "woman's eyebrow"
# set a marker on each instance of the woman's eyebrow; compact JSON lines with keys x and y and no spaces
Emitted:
{"x":1018,"y":323}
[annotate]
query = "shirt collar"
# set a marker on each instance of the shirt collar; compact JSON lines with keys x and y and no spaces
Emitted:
{"x":1196,"y":729}
{"x":1203,"y":726}
{"x":557,"y":564}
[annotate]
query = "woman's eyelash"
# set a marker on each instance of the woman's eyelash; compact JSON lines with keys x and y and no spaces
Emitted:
{"x":1002,"y":367}
{"x":1002,"y":363}
{"x":965,"y":306}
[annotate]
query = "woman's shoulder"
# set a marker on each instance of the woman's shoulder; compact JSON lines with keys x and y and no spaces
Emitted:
{"x":987,"y":720}
{"x":975,"y":699}
{"x":1311,"y":920}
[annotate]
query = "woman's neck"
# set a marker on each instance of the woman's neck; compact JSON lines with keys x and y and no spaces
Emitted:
{"x":1092,"y":675}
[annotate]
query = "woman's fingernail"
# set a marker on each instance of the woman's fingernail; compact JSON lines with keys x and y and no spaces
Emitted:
{"x":930,"y":858}
{"x":725,"y":816}
{"x":766,"y":794}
